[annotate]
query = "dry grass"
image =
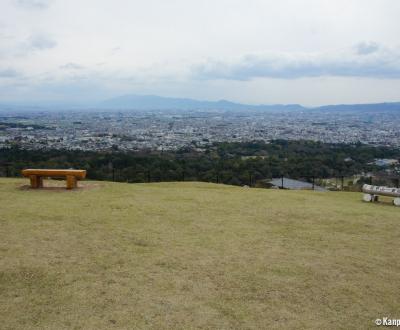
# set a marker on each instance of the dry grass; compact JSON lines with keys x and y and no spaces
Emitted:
{"x":195,"y":255}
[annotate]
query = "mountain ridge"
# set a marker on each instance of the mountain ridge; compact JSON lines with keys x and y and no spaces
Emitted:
{"x":155,"y":102}
{"x":151,"y":102}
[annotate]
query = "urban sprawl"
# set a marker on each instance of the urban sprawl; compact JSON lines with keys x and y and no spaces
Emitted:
{"x":172,"y":130}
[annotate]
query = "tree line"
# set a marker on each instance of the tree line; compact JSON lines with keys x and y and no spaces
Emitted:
{"x":247,"y":163}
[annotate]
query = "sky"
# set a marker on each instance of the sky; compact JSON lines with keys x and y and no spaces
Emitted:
{"x":310,"y":52}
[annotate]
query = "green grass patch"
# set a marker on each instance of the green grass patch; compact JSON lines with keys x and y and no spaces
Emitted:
{"x":194,"y":255}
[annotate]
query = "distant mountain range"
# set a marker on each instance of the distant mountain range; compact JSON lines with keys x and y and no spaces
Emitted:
{"x":154,"y":102}
{"x":371,"y":107}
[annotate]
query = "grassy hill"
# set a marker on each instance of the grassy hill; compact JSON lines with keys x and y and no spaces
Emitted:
{"x":194,"y":255}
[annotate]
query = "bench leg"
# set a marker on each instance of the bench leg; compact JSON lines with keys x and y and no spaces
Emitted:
{"x":36,"y":181}
{"x":71,"y":182}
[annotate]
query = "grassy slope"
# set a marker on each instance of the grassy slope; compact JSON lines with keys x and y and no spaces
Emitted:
{"x":195,"y":255}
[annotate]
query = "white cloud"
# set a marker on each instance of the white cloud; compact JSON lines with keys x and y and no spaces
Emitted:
{"x":33,"y":4}
{"x":364,"y":60}
{"x":365,"y":48}
{"x":71,"y":66}
{"x":40,"y":42}
{"x":8,"y":73}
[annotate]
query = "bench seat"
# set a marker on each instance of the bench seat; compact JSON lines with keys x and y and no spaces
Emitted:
{"x":36,"y":176}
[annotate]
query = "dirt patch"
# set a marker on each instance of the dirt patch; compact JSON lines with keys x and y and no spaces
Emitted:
{"x":60,"y":186}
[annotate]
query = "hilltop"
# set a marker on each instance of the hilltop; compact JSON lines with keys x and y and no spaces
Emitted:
{"x":194,"y":255}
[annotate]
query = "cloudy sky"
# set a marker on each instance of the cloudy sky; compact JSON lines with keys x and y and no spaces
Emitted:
{"x":255,"y":51}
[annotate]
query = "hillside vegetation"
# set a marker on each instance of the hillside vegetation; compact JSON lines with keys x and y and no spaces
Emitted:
{"x":239,"y":163}
{"x":194,"y":255}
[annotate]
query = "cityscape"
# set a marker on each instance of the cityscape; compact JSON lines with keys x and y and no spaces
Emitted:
{"x":133,"y":130}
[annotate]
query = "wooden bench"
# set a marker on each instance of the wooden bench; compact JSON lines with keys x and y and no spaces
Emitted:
{"x":36,"y":176}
